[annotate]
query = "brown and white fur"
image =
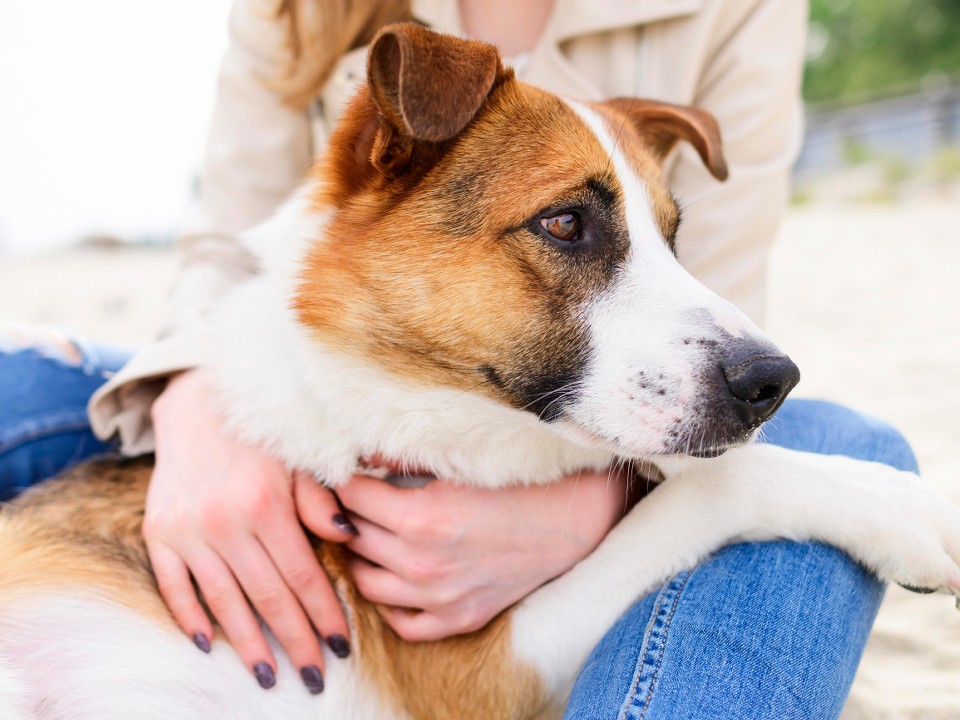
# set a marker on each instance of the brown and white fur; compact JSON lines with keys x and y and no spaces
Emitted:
{"x":411,"y":304}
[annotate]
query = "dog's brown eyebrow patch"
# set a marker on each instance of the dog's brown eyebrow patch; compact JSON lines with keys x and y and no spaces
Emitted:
{"x":602,"y":191}
{"x":631,"y":145}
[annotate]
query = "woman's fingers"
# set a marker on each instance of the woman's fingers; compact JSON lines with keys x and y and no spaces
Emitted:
{"x":228,"y":604}
{"x":382,"y":586}
{"x":294,"y":557}
{"x":382,"y":503}
{"x":319,"y":510}
{"x":173,"y":580}
{"x":415,"y":613}
{"x":279,"y":608}
{"x":415,"y":626}
{"x":379,"y":546}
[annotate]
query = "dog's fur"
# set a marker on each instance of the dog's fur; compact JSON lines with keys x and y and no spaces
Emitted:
{"x":411,"y":304}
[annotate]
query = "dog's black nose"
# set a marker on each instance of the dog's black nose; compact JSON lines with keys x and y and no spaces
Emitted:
{"x":758,"y":385}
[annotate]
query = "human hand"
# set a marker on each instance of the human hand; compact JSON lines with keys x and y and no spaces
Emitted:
{"x":461,"y":555}
{"x":226,"y":513}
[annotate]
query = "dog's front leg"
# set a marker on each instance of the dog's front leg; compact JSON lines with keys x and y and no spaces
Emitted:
{"x":887,"y":519}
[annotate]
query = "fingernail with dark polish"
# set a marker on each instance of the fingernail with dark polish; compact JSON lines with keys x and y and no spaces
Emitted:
{"x":264,"y":675}
{"x":344,"y":525}
{"x":339,"y":645}
{"x":312,"y":678}
{"x":201,"y":641}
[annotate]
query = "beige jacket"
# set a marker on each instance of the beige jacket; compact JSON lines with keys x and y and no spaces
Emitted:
{"x":739,"y":59}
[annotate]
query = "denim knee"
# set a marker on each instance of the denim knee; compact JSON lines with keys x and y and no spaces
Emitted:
{"x":827,"y":428}
{"x":760,"y":630}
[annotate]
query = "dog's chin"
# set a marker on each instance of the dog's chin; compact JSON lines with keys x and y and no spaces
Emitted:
{"x":708,"y":452}
{"x":583,"y":437}
{"x":716,"y":448}
{"x":692,"y":447}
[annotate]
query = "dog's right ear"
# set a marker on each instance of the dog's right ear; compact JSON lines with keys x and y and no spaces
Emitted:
{"x":426,"y":88}
{"x":661,"y":125}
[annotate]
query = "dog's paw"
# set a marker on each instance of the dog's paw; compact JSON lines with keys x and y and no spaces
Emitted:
{"x":911,"y":535}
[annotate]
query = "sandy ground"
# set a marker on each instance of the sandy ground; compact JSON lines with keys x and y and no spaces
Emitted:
{"x":866,"y":299}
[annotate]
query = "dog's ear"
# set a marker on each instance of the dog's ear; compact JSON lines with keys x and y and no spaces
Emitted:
{"x":426,"y":87}
{"x":661,"y":125}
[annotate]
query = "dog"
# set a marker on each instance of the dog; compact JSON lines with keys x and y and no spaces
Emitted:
{"x":478,"y":279}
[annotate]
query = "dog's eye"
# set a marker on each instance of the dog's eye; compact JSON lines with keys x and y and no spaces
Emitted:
{"x":564,"y":227}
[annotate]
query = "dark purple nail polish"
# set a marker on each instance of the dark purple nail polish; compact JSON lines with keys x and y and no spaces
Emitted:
{"x":264,"y":675}
{"x":344,"y":525}
{"x":339,"y":645}
{"x":201,"y":641}
{"x":312,"y":678}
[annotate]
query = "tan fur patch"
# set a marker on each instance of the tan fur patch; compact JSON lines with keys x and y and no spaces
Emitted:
{"x":82,"y":531}
{"x":469,"y":676}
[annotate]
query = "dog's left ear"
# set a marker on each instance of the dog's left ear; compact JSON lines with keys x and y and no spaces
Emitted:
{"x":426,"y":87}
{"x":661,"y":125}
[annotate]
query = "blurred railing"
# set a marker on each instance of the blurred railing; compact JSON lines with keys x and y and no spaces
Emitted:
{"x":910,"y":128}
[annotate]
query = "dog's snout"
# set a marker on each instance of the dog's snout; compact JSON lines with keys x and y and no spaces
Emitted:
{"x":758,"y":385}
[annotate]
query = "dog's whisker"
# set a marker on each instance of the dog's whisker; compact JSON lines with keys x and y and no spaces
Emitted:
{"x":563,"y":392}
{"x":616,"y":140}
{"x":467,"y":390}
{"x":686,"y":204}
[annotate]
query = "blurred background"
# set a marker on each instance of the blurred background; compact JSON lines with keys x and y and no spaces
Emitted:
{"x":98,"y":158}
{"x":108,"y":117}
{"x":882,"y":86}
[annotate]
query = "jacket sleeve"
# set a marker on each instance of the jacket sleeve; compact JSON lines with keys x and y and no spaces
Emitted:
{"x":257,"y":151}
{"x":750,"y":81}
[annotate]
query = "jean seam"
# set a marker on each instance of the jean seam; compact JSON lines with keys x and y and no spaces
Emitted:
{"x":671,"y":593}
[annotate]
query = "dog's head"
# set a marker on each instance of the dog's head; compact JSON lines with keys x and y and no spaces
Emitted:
{"x":491,"y":237}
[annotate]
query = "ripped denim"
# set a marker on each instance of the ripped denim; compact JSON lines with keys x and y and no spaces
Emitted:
{"x":44,"y":389}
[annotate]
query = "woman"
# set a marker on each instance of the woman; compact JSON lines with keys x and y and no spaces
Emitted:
{"x":707,"y":643}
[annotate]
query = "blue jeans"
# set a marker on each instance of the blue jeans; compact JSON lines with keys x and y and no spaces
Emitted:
{"x":758,"y":631}
{"x":43,"y":410}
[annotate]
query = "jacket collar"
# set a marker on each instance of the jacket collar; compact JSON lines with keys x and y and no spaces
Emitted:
{"x":570,"y":18}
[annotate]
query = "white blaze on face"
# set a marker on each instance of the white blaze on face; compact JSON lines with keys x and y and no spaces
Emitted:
{"x":651,"y":333}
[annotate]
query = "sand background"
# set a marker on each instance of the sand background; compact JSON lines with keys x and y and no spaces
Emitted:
{"x":866,"y":299}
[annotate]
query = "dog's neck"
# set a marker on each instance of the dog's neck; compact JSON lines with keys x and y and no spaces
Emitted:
{"x":322,"y":410}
